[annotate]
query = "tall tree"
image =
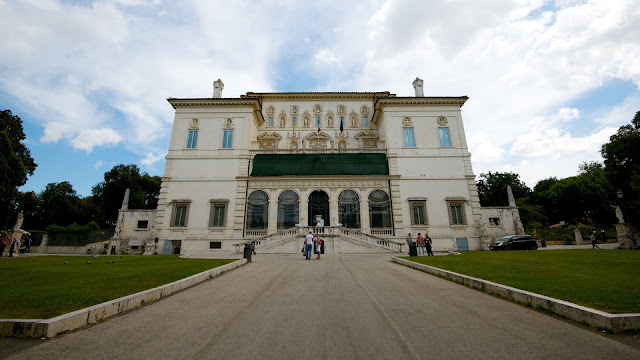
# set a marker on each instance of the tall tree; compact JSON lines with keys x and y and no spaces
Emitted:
{"x":16,"y":163}
{"x":108,"y":194}
{"x":59,"y":204}
{"x":622,"y":165}
{"x":492,"y":188}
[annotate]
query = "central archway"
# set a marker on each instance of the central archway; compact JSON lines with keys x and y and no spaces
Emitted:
{"x":318,"y":205}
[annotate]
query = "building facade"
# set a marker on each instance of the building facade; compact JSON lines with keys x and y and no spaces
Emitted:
{"x":364,"y":169}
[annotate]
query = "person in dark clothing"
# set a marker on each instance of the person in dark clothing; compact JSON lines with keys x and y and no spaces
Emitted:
{"x":428,"y":244}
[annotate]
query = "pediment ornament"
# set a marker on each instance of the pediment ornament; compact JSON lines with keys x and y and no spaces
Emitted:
{"x":442,"y":120}
{"x":317,"y":140}
{"x":228,"y":124}
{"x":269,"y":140}
{"x":194,"y":123}
{"x":271,"y":110}
{"x":295,"y":109}
{"x":317,"y":109}
{"x":369,"y":139}
{"x":364,"y":110}
{"x":293,"y":140}
{"x":406,"y":121}
{"x":342,"y":140}
{"x":342,"y":110}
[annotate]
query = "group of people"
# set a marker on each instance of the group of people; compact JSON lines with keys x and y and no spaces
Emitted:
{"x":23,"y":245}
{"x":423,"y":243}
{"x":312,"y":244}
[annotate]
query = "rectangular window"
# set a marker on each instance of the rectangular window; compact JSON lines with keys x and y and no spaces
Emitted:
{"x":456,"y":213}
{"x":180,"y":214}
{"x":192,"y":141}
{"x":418,"y":212}
{"x":215,"y":245}
{"x":227,"y":139}
{"x":270,"y":121}
{"x":365,"y":121}
{"x":445,"y":141}
{"x":408,"y":137}
{"x":143,"y":224}
{"x":218,"y":215}
{"x":494,"y":221}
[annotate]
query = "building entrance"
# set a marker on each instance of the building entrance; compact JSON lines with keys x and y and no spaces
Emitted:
{"x":318,"y":205}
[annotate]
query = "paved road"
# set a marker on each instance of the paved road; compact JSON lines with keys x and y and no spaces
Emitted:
{"x":341,"y":307}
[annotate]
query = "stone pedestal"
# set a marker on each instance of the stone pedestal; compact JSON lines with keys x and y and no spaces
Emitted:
{"x":15,"y":237}
{"x":624,"y":239}
{"x":579,"y":240}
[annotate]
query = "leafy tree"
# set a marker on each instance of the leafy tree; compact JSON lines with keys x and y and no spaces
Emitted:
{"x":492,"y":188}
{"x":29,"y":203}
{"x":585,"y":198}
{"x":59,"y":204}
{"x":16,"y":163}
{"x":622,"y":166}
{"x":108,"y":195}
{"x":541,"y":197}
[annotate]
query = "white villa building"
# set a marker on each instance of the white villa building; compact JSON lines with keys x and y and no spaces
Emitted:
{"x":363,"y":169}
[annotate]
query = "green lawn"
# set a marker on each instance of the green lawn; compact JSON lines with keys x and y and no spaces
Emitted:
{"x":608,"y":280}
{"x":43,"y":287}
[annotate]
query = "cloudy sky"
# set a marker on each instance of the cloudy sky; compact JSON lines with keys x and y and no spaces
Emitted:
{"x":548,"y":81}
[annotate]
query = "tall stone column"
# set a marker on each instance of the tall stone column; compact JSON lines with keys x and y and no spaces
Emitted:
{"x":304,"y":207}
{"x":273,"y":211}
{"x":364,"y":211}
{"x":333,"y":208}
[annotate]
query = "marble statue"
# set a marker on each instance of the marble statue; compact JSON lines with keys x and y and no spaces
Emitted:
{"x":618,"y":213}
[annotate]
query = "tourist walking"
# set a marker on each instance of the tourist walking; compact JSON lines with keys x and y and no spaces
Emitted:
{"x":428,"y":244}
{"x":309,"y":245}
{"x":319,"y":247}
{"x":420,"y":244}
{"x":253,"y":248}
{"x":593,"y":240}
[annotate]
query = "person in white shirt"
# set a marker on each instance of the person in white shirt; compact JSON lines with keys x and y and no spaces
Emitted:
{"x":309,"y":245}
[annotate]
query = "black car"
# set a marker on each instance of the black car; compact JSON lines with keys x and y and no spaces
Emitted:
{"x":515,"y":242}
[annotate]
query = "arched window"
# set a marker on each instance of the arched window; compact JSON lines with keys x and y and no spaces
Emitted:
{"x":258,"y":210}
{"x":288,"y":209}
{"x":349,"y":209}
{"x":379,"y":209}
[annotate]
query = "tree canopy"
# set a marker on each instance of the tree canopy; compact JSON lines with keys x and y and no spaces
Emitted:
{"x":108,"y":195}
{"x":16,"y":163}
{"x":492,"y":188}
{"x":622,"y":166}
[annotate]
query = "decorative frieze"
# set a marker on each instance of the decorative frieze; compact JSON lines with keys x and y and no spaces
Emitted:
{"x":318,"y":140}
{"x":368,"y":139}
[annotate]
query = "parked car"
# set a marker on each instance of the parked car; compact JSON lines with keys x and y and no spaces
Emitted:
{"x":515,"y":242}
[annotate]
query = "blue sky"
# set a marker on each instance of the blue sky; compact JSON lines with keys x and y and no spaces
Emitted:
{"x":548,"y":81}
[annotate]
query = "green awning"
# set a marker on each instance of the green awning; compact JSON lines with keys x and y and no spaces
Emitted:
{"x":319,"y":164}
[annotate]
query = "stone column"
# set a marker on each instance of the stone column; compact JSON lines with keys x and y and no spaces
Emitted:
{"x":304,"y":207}
{"x":333,"y":208}
{"x":364,"y":211}
{"x":273,"y":211}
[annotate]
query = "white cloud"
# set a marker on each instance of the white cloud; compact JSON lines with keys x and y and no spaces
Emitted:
{"x":88,"y":139}
{"x":151,"y":159}
{"x":98,"y":164}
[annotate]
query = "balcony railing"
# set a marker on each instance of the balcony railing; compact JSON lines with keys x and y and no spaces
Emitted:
{"x":319,"y":151}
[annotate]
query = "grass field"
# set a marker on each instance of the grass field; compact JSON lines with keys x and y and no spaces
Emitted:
{"x":43,"y":287}
{"x":608,"y":280}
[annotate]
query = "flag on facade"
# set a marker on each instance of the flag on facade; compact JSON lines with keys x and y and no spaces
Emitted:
{"x":341,"y":125}
{"x":294,"y":126}
{"x":318,"y":121}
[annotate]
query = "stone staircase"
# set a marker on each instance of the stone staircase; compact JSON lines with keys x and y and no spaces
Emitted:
{"x":337,"y":240}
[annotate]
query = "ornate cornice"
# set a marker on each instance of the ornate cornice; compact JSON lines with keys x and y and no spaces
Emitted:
{"x":381,"y":103}
{"x":255,"y":105}
{"x":318,"y":95}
